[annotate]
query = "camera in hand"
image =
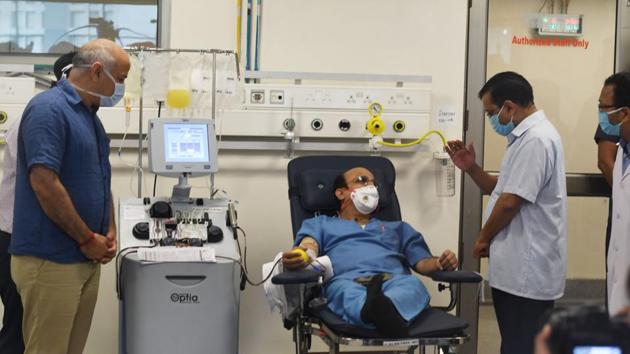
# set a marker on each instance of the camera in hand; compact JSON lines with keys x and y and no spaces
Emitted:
{"x":588,"y":330}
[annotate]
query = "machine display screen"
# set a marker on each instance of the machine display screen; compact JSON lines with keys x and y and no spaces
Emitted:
{"x":186,"y":142}
{"x":596,"y":350}
{"x":560,"y":25}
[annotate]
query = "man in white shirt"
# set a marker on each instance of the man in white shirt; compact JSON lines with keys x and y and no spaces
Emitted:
{"x":11,"y":340}
{"x":524,"y":231}
{"x":614,"y":114}
{"x":11,"y":333}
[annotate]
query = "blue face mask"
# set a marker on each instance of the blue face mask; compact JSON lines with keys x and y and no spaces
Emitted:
{"x":109,"y":101}
{"x":119,"y":93}
{"x":501,"y":129}
{"x":607,"y":126}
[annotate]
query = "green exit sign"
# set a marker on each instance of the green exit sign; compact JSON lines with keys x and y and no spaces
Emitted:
{"x":560,"y":25}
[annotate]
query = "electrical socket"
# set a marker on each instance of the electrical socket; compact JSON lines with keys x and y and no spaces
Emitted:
{"x":276,"y":96}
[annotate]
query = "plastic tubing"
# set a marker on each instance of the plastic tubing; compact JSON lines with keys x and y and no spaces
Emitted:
{"x":415,"y":142}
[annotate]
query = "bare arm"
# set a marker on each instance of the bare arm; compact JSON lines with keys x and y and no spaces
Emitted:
{"x":506,"y":207}
{"x":464,"y":158}
{"x":447,"y":261}
{"x":483,"y":179}
{"x":112,"y":247}
{"x":606,"y":153}
{"x":292,"y":260}
{"x":56,"y":203}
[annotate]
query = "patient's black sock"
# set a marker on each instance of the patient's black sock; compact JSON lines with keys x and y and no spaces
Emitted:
{"x":373,"y":290}
{"x":387,"y":319}
{"x":380,"y":310}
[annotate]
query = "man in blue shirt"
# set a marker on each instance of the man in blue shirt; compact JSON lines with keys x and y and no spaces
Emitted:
{"x":372,"y":285}
{"x":11,"y":334}
{"x":64,"y":227}
{"x":524,"y":231}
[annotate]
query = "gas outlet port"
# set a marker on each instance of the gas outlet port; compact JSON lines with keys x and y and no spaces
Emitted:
{"x":257,"y":97}
{"x":289,"y":124}
{"x":317,"y":124}
{"x":399,"y":126}
{"x":3,"y":117}
{"x":344,"y":125}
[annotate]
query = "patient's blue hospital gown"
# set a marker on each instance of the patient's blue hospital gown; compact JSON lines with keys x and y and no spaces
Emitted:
{"x":380,"y":247}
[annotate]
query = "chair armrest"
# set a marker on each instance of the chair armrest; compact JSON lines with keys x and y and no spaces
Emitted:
{"x":296,"y":277}
{"x":456,"y":277}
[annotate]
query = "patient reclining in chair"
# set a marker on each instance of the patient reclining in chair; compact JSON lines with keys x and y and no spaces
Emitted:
{"x":372,"y":285}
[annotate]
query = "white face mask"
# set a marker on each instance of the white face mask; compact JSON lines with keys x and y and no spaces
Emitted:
{"x":109,"y":101}
{"x":64,"y":71}
{"x":365,"y":199}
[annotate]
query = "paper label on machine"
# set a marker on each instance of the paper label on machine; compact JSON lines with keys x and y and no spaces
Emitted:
{"x":177,"y":254}
{"x":134,"y":212}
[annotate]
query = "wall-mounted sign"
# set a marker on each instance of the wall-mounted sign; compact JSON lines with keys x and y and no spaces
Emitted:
{"x":551,"y":42}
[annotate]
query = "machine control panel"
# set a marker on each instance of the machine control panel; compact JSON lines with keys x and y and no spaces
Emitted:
{"x":159,"y":222}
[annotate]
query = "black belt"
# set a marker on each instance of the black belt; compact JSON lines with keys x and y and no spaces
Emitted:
{"x":4,"y":234}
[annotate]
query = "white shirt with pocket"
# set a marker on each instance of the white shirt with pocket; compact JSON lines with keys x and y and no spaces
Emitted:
{"x":528,"y":256}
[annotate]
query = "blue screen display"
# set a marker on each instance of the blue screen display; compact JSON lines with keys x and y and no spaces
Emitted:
{"x":186,"y":143}
{"x":596,"y":350}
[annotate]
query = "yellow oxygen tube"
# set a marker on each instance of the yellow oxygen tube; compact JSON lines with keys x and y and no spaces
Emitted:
{"x":445,"y":177}
{"x":376,"y":126}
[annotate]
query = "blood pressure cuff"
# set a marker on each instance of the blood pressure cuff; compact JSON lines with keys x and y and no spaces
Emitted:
{"x":317,"y":191}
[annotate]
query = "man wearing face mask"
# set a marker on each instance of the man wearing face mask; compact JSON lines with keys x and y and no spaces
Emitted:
{"x":64,"y":225}
{"x":11,"y":333}
{"x":372,"y":285}
{"x":614,"y":113}
{"x":524,"y":231}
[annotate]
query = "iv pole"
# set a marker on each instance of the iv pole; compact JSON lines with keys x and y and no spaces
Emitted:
{"x":140,"y":51}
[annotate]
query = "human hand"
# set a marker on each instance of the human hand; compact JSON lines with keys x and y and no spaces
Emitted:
{"x":294,"y":259}
{"x":463,"y":157}
{"x":96,"y":249}
{"x":624,"y":313}
{"x":447,"y":261}
{"x":540,"y":343}
{"x":481,"y":248}
{"x":112,"y":247}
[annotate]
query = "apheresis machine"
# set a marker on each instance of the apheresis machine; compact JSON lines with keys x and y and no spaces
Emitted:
{"x":179,"y":265}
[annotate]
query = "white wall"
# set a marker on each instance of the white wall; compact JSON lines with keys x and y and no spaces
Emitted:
{"x":566,"y":80}
{"x":359,"y":36}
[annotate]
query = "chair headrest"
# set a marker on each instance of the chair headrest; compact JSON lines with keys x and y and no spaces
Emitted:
{"x":317,"y":191}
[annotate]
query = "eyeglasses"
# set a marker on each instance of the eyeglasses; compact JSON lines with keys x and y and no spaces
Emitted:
{"x":363,"y":180}
{"x":605,"y":108}
{"x":489,"y":115}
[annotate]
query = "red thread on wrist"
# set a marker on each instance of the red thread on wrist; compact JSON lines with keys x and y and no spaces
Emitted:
{"x":85,"y":242}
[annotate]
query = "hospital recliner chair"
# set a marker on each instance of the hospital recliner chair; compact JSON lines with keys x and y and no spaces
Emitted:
{"x":311,"y":193}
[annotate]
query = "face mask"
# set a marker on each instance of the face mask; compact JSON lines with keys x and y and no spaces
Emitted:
{"x":65,"y":71}
{"x":109,"y":101}
{"x":501,"y":129}
{"x":365,"y":199}
{"x":607,"y":126}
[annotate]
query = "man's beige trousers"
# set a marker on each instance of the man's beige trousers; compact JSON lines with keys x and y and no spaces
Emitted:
{"x":58,"y":301}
